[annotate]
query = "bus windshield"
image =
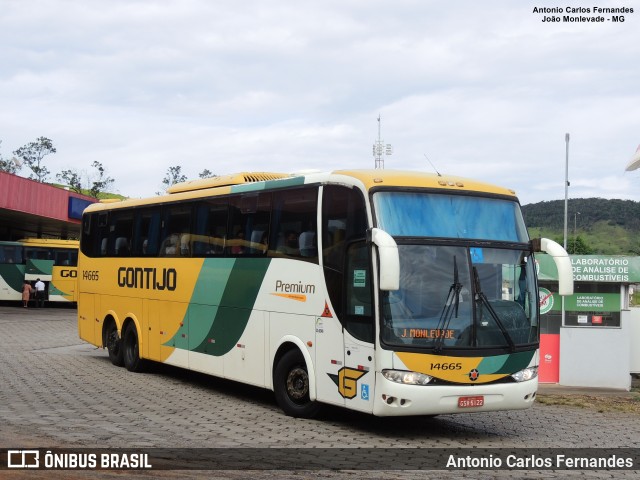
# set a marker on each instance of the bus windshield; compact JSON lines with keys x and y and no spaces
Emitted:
{"x":461,"y":297}
{"x":456,"y":293}
{"x":422,"y":214}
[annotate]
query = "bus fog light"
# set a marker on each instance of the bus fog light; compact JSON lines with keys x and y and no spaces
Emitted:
{"x":406,"y":378}
{"x":527,"y":374}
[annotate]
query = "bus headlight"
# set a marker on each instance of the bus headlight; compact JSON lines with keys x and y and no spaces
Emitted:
{"x":406,"y":378}
{"x":527,"y":374}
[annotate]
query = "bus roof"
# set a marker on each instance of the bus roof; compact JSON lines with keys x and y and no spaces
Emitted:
{"x":257,"y":181}
{"x":225,"y":180}
{"x":416,"y":179}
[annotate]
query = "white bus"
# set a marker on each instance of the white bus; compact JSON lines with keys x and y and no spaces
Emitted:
{"x":387,"y":292}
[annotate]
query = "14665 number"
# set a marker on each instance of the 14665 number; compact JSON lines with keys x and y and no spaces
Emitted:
{"x":446,"y":366}
{"x":90,"y":275}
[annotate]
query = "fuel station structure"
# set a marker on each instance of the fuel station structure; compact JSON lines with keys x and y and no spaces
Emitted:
{"x":595,"y":342}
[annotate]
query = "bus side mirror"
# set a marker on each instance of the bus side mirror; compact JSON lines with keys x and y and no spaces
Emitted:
{"x":388,"y":257}
{"x":562,"y":261}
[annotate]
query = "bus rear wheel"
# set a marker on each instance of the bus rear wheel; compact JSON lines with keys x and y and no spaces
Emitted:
{"x":131,"y":349}
{"x":114,"y":344}
{"x":291,"y":386}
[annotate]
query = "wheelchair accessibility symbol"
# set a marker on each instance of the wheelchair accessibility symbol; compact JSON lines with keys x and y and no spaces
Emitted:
{"x":364,"y":392}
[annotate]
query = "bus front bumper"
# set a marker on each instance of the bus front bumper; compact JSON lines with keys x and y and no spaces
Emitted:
{"x":395,"y":399}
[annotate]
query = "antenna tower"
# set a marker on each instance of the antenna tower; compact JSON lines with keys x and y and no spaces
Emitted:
{"x":380,"y":149}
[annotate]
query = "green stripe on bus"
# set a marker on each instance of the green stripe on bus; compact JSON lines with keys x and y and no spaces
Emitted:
{"x":39,"y":267}
{"x":54,"y":290}
{"x":505,"y":364}
{"x":222,"y":301}
{"x":13,"y":275}
{"x":207,"y":295}
{"x":257,"y":186}
{"x":238,"y":299}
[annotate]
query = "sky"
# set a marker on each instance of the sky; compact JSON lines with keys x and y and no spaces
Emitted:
{"x":482,"y":89}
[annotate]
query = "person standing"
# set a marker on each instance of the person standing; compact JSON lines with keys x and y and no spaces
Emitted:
{"x":39,"y":293}
{"x":27,"y":289}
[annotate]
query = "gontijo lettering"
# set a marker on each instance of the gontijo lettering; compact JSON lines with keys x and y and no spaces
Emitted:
{"x":148,"y":278}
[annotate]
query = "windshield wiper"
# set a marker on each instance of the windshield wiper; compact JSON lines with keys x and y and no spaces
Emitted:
{"x":450,"y":308}
{"x":482,"y":299}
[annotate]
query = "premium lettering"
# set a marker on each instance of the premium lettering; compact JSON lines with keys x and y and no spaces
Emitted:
{"x":295,"y":287}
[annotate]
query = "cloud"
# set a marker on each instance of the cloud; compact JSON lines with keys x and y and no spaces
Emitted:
{"x":485,"y":89}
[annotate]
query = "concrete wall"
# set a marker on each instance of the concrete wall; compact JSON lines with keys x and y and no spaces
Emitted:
{"x":596,"y":357}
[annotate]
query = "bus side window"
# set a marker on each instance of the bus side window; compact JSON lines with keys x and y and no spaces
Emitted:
{"x":293,"y":224}
{"x":61,"y":257}
{"x":236,"y":235}
{"x":120,"y":233}
{"x":210,"y":227}
{"x":248,"y":230}
{"x":169,"y":247}
{"x":95,"y":229}
{"x":101,"y":235}
{"x":176,"y":223}
{"x":122,"y":247}
{"x":147,"y":232}
{"x":11,"y":254}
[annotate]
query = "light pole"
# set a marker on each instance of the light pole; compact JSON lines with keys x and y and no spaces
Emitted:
{"x":575,"y":230}
{"x":566,"y":189}
{"x":566,"y":206}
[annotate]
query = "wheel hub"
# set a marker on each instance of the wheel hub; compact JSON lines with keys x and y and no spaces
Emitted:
{"x":297,"y":383}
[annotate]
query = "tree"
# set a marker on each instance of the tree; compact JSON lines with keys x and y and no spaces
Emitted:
{"x":103,"y":182}
{"x":32,"y":155}
{"x":577,"y":246}
{"x":206,"y":173}
{"x":174,"y":175}
{"x":71,"y":178}
{"x":100,"y":183}
{"x":9,"y":165}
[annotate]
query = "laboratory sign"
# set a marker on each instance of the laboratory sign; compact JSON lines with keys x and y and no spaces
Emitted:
{"x":594,"y":268}
{"x":593,"y":302}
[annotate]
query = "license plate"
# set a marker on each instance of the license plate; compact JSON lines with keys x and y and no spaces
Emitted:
{"x":466,"y":402}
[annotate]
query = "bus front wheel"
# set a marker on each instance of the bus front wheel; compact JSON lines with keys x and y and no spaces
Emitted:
{"x":291,"y":386}
{"x":114,"y":344}
{"x":131,"y":349}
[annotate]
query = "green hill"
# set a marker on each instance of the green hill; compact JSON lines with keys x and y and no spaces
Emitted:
{"x":604,"y":227}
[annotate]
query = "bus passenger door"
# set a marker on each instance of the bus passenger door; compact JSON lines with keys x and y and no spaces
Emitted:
{"x":359,"y":374}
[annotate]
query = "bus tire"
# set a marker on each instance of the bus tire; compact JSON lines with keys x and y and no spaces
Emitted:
{"x":291,"y":386}
{"x":131,"y":349}
{"x":114,"y":344}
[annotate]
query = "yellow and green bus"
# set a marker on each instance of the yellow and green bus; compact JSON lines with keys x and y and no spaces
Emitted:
{"x":387,"y":292}
{"x":53,"y":261}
